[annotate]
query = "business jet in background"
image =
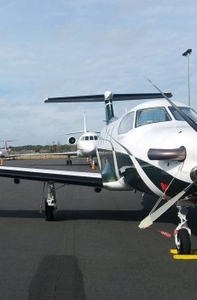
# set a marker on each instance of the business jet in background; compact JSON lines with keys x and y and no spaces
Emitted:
{"x":86,"y":147}
{"x":86,"y":144}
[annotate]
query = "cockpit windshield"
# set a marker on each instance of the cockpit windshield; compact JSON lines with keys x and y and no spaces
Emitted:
{"x":89,"y":137}
{"x":151,"y":115}
{"x":187,"y":110}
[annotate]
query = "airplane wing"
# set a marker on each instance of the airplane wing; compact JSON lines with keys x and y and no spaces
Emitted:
{"x":59,"y":176}
{"x":74,"y":153}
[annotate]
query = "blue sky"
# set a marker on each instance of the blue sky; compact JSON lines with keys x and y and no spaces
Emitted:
{"x":65,"y":48}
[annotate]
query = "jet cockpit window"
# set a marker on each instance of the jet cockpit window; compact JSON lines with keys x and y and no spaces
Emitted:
{"x":187,"y":110}
{"x":86,"y":138}
{"x":95,"y":138}
{"x":126,"y":124}
{"x":91,"y":138}
{"x":151,"y":115}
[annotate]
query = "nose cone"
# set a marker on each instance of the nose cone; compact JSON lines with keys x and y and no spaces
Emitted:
{"x":86,"y":148}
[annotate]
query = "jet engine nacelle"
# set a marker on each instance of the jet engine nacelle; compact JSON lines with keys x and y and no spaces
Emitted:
{"x":72,"y":140}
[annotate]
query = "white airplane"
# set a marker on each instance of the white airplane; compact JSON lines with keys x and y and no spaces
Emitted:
{"x":86,"y":144}
{"x":5,"y":152}
{"x":151,"y":148}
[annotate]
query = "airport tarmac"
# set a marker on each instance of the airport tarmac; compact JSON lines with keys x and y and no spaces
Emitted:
{"x":93,"y":251}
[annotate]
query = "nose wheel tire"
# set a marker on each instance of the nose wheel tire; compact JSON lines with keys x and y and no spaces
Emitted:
{"x":184,"y":241}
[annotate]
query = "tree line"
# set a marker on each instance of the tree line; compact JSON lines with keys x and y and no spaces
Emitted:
{"x":54,"y":147}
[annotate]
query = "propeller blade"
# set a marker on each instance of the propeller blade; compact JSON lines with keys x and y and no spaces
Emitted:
{"x":183,"y":115}
{"x":161,"y":210}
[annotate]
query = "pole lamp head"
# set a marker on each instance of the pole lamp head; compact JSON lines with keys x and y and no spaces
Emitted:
{"x":188,"y":52}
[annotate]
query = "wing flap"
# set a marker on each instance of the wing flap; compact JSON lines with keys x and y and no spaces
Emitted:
{"x":68,"y":177}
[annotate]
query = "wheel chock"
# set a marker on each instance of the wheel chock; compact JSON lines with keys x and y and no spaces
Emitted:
{"x":192,"y":255}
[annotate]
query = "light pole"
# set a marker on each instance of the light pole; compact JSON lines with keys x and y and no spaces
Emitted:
{"x":187,"y":54}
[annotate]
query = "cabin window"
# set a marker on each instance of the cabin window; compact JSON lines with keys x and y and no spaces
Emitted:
{"x":151,"y":115}
{"x":187,"y":110}
{"x":126,"y":123}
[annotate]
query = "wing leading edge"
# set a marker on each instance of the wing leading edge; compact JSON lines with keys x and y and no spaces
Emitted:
{"x":59,"y":176}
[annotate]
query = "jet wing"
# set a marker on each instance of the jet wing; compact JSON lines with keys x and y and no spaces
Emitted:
{"x":59,"y":176}
{"x":73,"y":153}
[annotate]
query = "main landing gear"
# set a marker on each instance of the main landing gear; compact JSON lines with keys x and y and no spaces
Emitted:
{"x":50,"y":201}
{"x":69,"y":161}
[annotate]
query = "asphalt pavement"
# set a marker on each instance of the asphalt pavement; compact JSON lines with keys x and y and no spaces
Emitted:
{"x":94,"y":250}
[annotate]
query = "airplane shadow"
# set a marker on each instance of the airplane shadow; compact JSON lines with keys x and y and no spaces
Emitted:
{"x":66,"y":215}
{"x":108,"y":215}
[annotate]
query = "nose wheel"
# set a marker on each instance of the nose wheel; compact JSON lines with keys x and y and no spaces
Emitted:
{"x":183,"y":232}
{"x":183,"y":241}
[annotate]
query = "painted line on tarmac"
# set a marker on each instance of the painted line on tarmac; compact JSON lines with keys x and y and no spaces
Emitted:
{"x":192,"y":256}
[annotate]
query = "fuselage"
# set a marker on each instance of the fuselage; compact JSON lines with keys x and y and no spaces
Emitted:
{"x":125,"y":145}
{"x":87,"y":144}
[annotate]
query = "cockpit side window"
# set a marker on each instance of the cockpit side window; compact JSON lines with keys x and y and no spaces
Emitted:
{"x":151,"y":115}
{"x":86,"y":138}
{"x":126,"y":123}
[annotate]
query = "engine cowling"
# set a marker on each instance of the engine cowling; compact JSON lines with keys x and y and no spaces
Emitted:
{"x":72,"y":140}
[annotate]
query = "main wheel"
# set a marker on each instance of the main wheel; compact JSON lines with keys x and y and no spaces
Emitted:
{"x":49,"y":212}
{"x":184,"y":242}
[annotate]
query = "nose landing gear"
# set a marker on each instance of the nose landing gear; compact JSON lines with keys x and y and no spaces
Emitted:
{"x":183,"y":232}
